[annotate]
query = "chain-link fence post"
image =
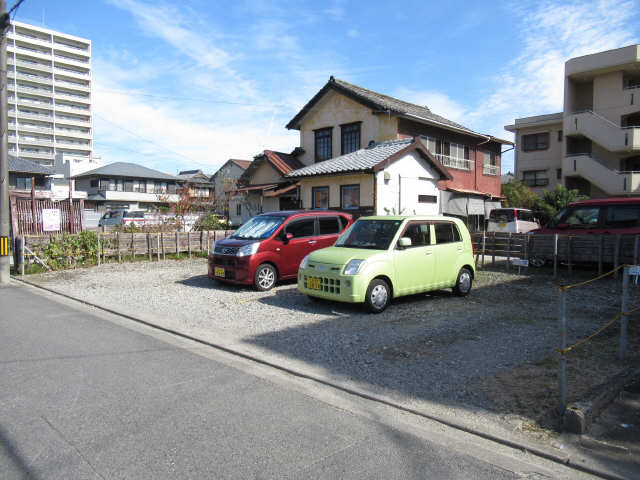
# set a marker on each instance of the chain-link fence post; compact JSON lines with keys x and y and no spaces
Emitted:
{"x":624,"y":316}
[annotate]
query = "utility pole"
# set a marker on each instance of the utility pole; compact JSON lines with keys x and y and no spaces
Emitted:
{"x":4,"y":154}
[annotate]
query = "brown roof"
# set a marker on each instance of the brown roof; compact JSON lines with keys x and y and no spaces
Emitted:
{"x":244,"y":164}
{"x":283,"y":162}
{"x":380,"y":103}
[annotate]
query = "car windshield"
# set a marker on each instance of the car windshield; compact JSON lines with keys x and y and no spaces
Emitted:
{"x":259,"y":227}
{"x":372,"y":234}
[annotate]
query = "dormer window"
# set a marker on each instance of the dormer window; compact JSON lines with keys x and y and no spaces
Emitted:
{"x":350,"y":137}
{"x":323,"y":144}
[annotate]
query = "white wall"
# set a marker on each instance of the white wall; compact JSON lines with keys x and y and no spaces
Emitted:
{"x":410,"y":176}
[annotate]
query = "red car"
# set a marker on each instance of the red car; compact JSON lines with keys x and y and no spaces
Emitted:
{"x":596,"y":217}
{"x":270,"y":246}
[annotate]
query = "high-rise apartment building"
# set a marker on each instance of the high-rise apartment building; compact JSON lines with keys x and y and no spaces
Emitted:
{"x":593,"y":145}
{"x":49,"y":95}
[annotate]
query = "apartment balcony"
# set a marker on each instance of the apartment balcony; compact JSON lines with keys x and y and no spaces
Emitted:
{"x":37,"y":142}
{"x":72,"y":85}
{"x":134,"y":196}
{"x":30,"y":52}
{"x":31,"y":128}
{"x":602,"y":131}
{"x":71,"y":72}
{"x":32,"y":39}
{"x":32,"y":116}
{"x":74,"y":98}
{"x":601,"y":175}
{"x":490,"y":170}
{"x":63,"y":107}
{"x":38,"y":155}
{"x":29,"y":89}
{"x":82,"y":50}
{"x":72,"y":133}
{"x":27,"y":64}
{"x":74,"y":62}
{"x":32,"y":77}
{"x":454,"y":162}
{"x":27,"y":102}
{"x":73,"y":121}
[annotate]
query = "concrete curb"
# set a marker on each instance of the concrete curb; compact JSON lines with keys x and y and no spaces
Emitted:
{"x":517,"y":445}
{"x":578,"y":416}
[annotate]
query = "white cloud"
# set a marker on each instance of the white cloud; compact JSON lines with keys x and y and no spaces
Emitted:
{"x":438,"y":102}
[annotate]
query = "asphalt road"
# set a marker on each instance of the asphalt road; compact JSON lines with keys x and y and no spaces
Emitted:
{"x":83,"y":395}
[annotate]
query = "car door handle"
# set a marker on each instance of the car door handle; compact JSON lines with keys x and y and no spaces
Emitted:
{"x":428,"y":253}
{"x":311,"y":242}
{"x":460,"y":249}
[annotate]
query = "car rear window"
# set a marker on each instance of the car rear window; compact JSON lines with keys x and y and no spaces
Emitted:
{"x":502,"y":215}
{"x":623,"y":216}
{"x":328,"y":225}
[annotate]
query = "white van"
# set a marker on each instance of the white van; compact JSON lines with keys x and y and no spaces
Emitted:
{"x":514,"y":220}
{"x":122,"y":217}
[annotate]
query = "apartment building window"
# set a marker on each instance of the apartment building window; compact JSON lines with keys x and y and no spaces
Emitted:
{"x":323,"y":144}
{"x":558,"y":174}
{"x":350,"y":137}
{"x":489,"y":163}
{"x":320,"y":197}
{"x":535,"y":141}
{"x":535,"y":178}
{"x":350,"y":197}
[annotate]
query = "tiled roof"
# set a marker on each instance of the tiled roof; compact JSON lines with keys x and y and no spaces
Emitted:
{"x":366,"y":159}
{"x":244,"y":164}
{"x":283,"y":162}
{"x":124,"y":169}
{"x":377,"y":101}
{"x":22,"y":165}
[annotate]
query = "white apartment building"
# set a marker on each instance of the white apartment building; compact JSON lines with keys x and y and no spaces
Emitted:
{"x":593,"y":145}
{"x":49,"y":94}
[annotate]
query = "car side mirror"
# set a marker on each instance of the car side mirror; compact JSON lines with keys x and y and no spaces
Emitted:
{"x":404,"y":242}
{"x":287,"y":237}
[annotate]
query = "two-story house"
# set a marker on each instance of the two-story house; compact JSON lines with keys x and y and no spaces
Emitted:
{"x":593,"y":145}
{"x":197,"y":184}
{"x":225,"y":180}
{"x":129,"y":186}
{"x":344,"y":122}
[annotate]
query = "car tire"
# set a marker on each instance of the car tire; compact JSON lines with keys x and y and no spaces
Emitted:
{"x":265,"y":277}
{"x":378,"y":296}
{"x":537,"y":262}
{"x":314,"y":299}
{"x":463,"y":282}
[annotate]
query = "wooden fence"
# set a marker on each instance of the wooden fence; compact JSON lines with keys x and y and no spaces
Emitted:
{"x":602,"y":250}
{"x":26,"y":215}
{"x":119,"y":245}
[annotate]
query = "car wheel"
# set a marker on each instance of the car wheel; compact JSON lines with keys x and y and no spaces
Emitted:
{"x":463,"y":283}
{"x":378,"y":295}
{"x":265,"y":277}
{"x":537,"y":262}
{"x":314,"y":299}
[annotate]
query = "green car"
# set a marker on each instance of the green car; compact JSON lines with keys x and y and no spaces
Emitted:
{"x":379,"y":258}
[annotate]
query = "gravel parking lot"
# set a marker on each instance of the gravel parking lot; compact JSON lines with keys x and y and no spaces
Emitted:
{"x":490,"y":353}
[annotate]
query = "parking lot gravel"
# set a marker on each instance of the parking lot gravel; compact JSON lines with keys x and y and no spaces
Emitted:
{"x":490,"y":353}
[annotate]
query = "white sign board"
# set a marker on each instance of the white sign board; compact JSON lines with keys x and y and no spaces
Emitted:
{"x":634,"y":269}
{"x":50,"y":220}
{"x":519,"y":262}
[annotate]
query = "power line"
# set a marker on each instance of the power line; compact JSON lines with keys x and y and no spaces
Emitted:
{"x":14,"y":9}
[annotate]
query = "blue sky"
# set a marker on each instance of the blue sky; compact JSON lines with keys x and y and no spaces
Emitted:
{"x":191,"y":84}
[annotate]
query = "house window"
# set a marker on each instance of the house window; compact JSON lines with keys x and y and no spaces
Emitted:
{"x":535,"y":178}
{"x":559,"y":135}
{"x":23,"y":183}
{"x":456,"y":155}
{"x":489,"y":163}
{"x":559,"y":173}
{"x":535,"y":141}
{"x":239,"y":209}
{"x":323,"y":144}
{"x":350,"y":197}
{"x":427,"y":199}
{"x":93,"y":183}
{"x":320,"y":197}
{"x":350,"y":137}
{"x":434,"y":145}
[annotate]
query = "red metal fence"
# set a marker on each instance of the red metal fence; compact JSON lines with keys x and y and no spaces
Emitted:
{"x":26,"y":215}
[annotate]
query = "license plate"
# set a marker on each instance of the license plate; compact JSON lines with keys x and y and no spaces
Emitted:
{"x":218,"y":271}
{"x":502,"y":224}
{"x":314,"y":283}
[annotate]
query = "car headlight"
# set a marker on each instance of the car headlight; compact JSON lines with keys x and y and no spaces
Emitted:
{"x":305,"y":261}
{"x":353,"y":267}
{"x":248,"y":249}
{"x":213,"y":248}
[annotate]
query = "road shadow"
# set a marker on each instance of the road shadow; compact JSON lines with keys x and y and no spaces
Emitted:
{"x":15,"y":461}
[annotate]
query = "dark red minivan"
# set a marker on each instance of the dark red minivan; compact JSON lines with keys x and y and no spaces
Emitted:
{"x":596,"y":217}
{"x":270,"y":246}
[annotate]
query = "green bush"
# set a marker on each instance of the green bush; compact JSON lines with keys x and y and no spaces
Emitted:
{"x":71,"y":250}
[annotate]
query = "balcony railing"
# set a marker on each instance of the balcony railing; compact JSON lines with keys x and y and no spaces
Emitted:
{"x":490,"y":170}
{"x":454,"y":162}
